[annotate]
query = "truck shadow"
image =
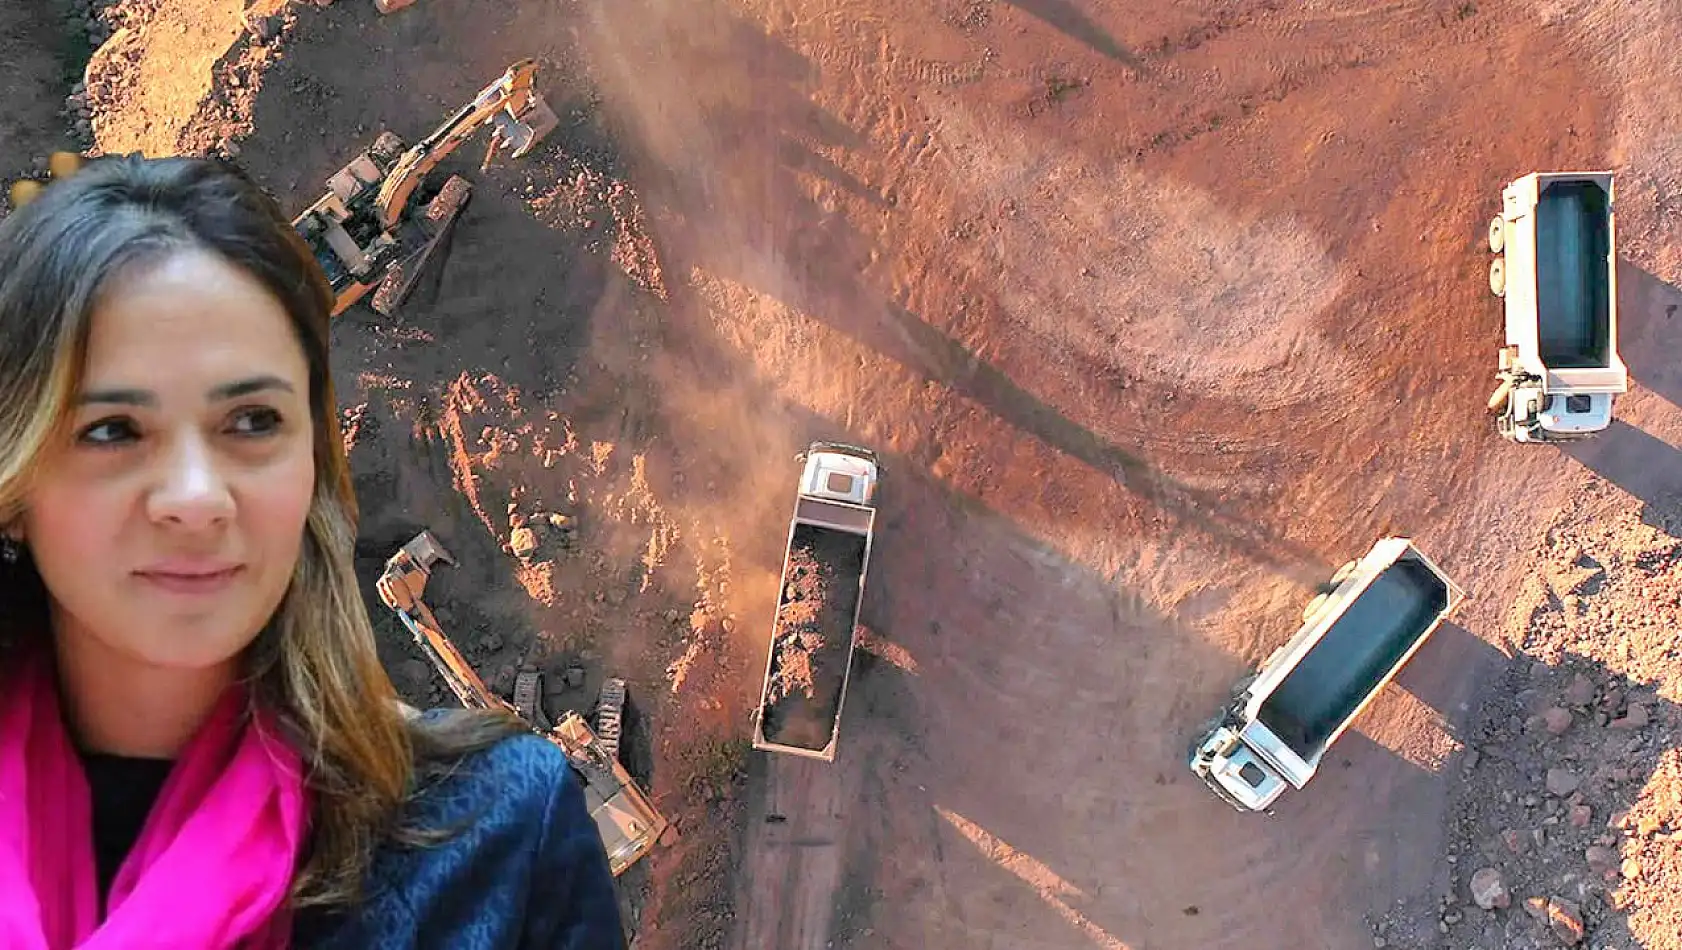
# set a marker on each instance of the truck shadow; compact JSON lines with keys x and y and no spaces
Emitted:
{"x":1643,"y":465}
{"x":1445,"y":674}
{"x":1650,"y":331}
{"x":1550,"y":792}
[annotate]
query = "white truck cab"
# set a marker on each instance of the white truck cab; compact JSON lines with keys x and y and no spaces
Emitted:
{"x":836,"y":471}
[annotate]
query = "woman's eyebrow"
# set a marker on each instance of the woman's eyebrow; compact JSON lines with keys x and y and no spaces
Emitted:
{"x":233,"y":390}
{"x":246,"y":387}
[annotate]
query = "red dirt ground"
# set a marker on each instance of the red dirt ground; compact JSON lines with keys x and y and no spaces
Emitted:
{"x":1157,"y":312}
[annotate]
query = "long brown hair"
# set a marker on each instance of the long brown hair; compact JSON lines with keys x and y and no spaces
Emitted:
{"x":314,"y":663}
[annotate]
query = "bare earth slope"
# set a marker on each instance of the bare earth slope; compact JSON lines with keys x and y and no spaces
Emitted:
{"x":1157,"y":312}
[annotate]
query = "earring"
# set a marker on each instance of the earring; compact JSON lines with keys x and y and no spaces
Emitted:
{"x":10,"y":550}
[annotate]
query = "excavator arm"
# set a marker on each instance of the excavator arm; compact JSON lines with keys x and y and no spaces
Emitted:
{"x":402,"y":587}
{"x":629,"y":824}
{"x":511,"y":103}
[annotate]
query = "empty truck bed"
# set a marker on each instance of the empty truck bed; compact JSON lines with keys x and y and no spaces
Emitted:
{"x":1573,"y":294}
{"x":1359,"y":650}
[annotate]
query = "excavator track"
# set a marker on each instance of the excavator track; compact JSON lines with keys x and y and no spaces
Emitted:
{"x":439,"y":216}
{"x":610,"y":716}
{"x":528,"y":688}
{"x":444,"y":206}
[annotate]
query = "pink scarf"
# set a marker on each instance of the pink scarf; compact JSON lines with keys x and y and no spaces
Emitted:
{"x":213,"y":864}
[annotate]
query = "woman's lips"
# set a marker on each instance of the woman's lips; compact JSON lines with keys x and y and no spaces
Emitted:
{"x":191,"y":581}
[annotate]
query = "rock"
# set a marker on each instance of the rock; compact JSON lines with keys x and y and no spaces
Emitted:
{"x":516,"y":520}
{"x":1581,"y":815}
{"x":264,"y":28}
{"x":1566,"y":920}
{"x":1580,"y":692}
{"x":1636,"y":717}
{"x":523,"y":541}
{"x":1489,"y":891}
{"x":562,"y":523}
{"x":1513,"y":840}
{"x":1557,"y":720}
{"x":1631,"y":869}
{"x":1601,"y":859}
{"x":1562,"y":782}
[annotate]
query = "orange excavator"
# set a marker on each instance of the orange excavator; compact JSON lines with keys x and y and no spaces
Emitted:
{"x":364,"y":232}
{"x":626,"y":819}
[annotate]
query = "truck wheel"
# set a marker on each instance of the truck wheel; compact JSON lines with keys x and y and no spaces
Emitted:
{"x":1314,"y":606}
{"x":1498,"y":277}
{"x":1497,"y":234}
{"x":1342,"y":573}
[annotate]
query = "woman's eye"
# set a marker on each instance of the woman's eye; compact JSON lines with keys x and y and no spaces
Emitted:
{"x":108,"y":432}
{"x":256,"y":421}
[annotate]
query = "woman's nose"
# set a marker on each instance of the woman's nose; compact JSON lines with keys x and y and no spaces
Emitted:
{"x":191,"y":491}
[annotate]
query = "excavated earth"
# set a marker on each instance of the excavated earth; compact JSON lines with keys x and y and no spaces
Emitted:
{"x":813,"y":638}
{"x":1156,"y":312}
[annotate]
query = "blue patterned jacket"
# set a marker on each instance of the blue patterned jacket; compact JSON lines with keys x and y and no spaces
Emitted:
{"x":527,"y":872}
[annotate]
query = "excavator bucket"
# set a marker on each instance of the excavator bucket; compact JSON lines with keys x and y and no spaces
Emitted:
{"x":521,"y":133}
{"x":404,"y":580}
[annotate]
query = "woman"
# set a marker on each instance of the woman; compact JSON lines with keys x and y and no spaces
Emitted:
{"x":198,"y":746}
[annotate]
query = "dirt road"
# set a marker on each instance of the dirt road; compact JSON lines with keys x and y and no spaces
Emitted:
{"x":795,"y":850}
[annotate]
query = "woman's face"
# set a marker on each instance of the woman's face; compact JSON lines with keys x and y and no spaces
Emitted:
{"x":168,"y":521}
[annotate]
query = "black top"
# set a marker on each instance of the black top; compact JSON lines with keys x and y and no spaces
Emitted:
{"x":123,"y":791}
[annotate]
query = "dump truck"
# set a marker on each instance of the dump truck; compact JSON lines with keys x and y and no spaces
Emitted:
{"x":813,"y":634}
{"x":629,"y":824}
{"x":1555,"y":270}
{"x":1356,"y":634}
{"x":365,"y":231}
